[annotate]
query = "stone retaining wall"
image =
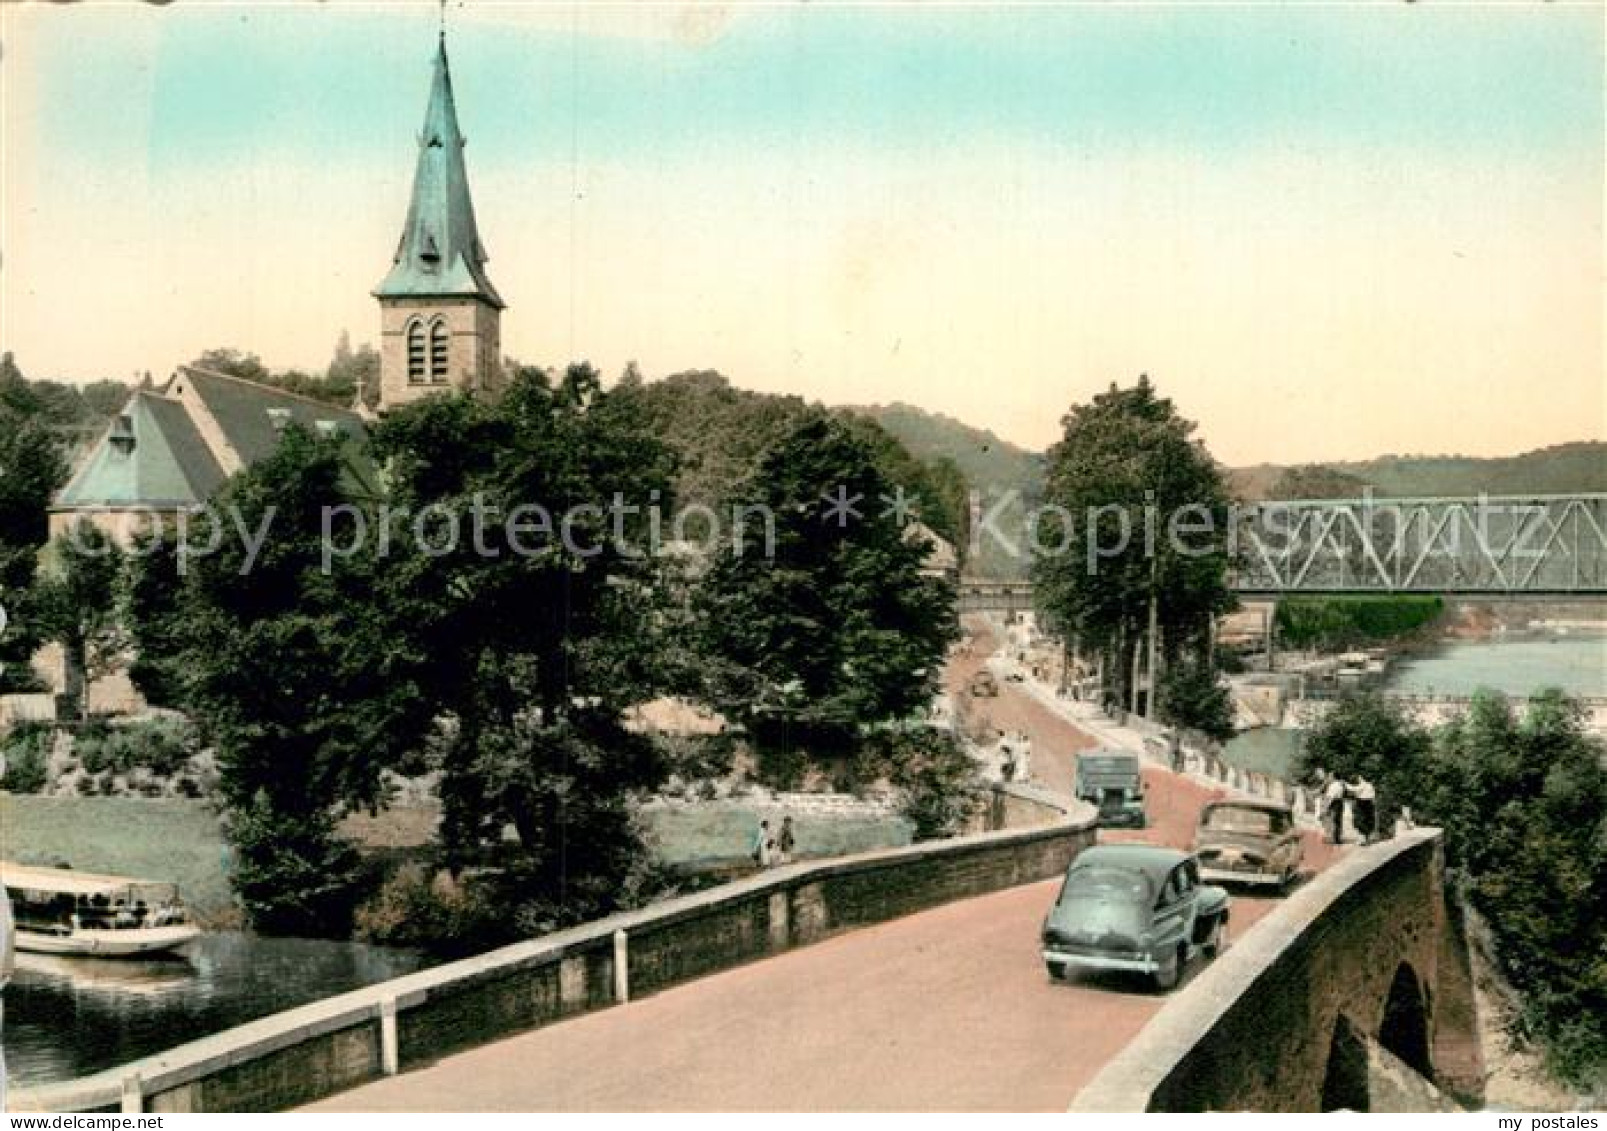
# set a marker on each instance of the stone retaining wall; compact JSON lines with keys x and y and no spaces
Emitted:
{"x":294,"y":1057}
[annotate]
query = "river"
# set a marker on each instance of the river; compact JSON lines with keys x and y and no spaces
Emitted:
{"x":1517,"y":664}
{"x":67,"y":1017}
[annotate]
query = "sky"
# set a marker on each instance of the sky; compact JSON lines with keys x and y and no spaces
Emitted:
{"x":1327,"y":231}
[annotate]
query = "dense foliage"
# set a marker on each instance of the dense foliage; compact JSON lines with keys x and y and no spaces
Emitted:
{"x":25,"y":753}
{"x":302,"y":680}
{"x":1336,"y":623}
{"x":350,"y":373}
{"x":32,"y":467}
{"x":1523,"y":801}
{"x":75,"y":602}
{"x":719,"y":433}
{"x":1192,"y":695}
{"x":836,"y":630}
{"x":1127,"y":464}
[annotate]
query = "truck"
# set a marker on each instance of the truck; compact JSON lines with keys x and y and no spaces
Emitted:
{"x":1109,"y":780}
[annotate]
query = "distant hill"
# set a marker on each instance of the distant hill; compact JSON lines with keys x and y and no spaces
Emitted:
{"x":993,"y":468}
{"x":721,"y":432}
{"x":1560,"y":469}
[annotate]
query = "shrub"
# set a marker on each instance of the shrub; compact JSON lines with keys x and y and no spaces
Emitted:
{"x":1192,"y":696}
{"x":939,"y":780}
{"x":164,"y":746}
{"x":1333,"y":623}
{"x":292,"y":874}
{"x":1523,"y":803}
{"x":26,"y":751}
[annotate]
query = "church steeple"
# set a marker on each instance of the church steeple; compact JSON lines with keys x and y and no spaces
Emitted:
{"x":440,"y":251}
{"x":440,"y":315}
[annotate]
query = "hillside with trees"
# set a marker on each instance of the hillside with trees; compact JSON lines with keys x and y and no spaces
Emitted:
{"x":1559,"y":469}
{"x":992,"y":467}
{"x":719,"y":432}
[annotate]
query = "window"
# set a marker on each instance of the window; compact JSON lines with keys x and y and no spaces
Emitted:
{"x":417,"y":373}
{"x":439,"y":340}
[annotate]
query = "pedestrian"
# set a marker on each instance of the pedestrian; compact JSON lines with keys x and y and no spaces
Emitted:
{"x":1333,"y":809}
{"x":763,"y":846}
{"x":1174,"y":750}
{"x":1403,"y":821}
{"x":1365,"y":810}
{"x":785,"y":842}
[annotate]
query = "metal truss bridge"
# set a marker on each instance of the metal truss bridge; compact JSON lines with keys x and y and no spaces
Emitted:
{"x":1510,"y":546}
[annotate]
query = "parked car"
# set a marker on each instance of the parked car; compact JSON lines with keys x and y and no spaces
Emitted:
{"x":1248,"y":842}
{"x":1111,"y":782}
{"x":1134,"y":907}
{"x":984,"y":685}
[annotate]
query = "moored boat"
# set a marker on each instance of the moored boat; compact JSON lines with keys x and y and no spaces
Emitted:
{"x":65,"y":912}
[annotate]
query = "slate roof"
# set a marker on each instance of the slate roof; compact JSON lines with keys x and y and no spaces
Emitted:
{"x":162,"y":450}
{"x":151,"y":456}
{"x":440,"y":253}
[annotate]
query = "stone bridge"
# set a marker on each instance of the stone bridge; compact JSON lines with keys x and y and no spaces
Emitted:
{"x":1353,"y":996}
{"x":905,"y":979}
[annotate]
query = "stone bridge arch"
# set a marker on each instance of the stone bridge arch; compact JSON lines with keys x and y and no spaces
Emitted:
{"x":1294,"y":1015}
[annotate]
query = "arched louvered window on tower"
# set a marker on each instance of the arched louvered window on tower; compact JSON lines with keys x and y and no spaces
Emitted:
{"x":417,"y":353}
{"x":439,"y":340}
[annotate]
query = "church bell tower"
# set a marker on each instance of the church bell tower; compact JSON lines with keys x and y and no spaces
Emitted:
{"x":440,"y":317}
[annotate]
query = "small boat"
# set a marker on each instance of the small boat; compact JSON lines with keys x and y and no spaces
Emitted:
{"x":62,"y":911}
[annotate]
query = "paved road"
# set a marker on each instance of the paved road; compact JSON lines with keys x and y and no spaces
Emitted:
{"x":949,"y":1009}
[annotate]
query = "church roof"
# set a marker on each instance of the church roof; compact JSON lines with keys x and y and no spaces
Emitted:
{"x":440,"y":253}
{"x":171,"y":448}
{"x":152,"y":456}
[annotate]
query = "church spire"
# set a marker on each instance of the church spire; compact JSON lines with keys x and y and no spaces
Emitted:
{"x":440,"y":253}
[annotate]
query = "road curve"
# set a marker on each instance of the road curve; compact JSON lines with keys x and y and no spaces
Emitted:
{"x":946,"y":1010}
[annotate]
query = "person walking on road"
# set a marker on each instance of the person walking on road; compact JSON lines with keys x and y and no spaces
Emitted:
{"x":786,"y":841}
{"x":1333,"y":809}
{"x":763,"y":846}
{"x":1365,"y":810}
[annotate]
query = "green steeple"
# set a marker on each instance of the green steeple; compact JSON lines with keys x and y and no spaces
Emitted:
{"x":440,"y":252}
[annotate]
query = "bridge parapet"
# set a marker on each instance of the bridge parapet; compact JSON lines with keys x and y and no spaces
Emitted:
{"x":1283,"y":1020}
{"x":303,"y":1054}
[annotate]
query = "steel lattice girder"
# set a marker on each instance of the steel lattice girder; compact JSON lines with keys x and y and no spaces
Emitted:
{"x":1481,"y":544}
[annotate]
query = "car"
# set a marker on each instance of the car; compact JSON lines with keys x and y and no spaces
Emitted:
{"x":1137,"y":908}
{"x":1110,"y":781}
{"x":1243,"y":841}
{"x":984,"y":685}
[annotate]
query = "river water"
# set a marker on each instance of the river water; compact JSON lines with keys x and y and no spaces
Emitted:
{"x":1516,"y":664}
{"x":68,"y":1017}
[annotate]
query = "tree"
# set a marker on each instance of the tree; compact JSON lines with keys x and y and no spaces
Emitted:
{"x":1192,"y":695}
{"x":1523,"y":802}
{"x":234,"y":363}
{"x":1367,"y":735}
{"x":536,"y":639}
{"x":301,"y":678}
{"x":75,"y":603}
{"x":1136,"y":513}
{"x":838,"y":629}
{"x":32,"y":469}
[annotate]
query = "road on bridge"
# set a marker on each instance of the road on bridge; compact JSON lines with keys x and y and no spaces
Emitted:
{"x":949,"y":1009}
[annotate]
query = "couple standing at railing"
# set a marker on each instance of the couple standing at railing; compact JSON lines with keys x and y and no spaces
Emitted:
{"x":769,"y":850}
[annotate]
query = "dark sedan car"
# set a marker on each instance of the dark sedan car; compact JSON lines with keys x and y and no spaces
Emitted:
{"x":1134,"y":907}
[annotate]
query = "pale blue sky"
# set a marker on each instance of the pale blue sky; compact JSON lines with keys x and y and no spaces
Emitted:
{"x":857,"y":203}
